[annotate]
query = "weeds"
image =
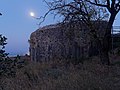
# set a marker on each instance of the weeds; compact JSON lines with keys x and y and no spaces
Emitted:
{"x":54,"y":75}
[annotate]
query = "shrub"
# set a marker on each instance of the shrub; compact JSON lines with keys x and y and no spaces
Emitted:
{"x":8,"y":66}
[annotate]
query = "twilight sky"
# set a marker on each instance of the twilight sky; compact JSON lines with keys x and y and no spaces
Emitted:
{"x":17,"y":24}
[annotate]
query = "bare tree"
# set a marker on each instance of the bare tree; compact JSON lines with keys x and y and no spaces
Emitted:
{"x":88,"y":11}
{"x":113,"y":7}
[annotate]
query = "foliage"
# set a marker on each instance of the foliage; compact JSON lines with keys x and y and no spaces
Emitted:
{"x":2,"y":46}
{"x":8,"y":66}
{"x":45,"y":76}
{"x":4,"y":60}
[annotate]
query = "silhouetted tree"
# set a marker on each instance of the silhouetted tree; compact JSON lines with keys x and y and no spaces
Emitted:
{"x":8,"y":66}
{"x":3,"y":55}
{"x":87,"y":11}
{"x":4,"y":59}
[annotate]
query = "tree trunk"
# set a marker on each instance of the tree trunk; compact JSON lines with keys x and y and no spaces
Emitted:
{"x":106,"y":42}
{"x":104,"y":53}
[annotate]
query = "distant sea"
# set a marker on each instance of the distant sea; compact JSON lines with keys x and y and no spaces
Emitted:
{"x":13,"y":55}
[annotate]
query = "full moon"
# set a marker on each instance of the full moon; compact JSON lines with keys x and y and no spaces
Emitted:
{"x":32,"y":14}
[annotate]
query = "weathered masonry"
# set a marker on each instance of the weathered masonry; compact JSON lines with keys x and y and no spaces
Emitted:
{"x":55,"y":41}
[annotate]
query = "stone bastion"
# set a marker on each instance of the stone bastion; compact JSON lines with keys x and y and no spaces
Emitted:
{"x":56,"y":41}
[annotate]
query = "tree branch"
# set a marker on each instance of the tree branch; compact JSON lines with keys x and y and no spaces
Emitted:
{"x":117,"y":6}
{"x":97,"y":4}
{"x":108,"y":3}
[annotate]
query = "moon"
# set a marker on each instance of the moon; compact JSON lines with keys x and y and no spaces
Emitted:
{"x":32,"y":14}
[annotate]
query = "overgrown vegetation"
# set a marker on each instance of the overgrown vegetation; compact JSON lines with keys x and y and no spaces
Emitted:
{"x":8,"y":66}
{"x":57,"y":75}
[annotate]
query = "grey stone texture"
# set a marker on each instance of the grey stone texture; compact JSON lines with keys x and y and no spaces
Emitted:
{"x":58,"y":41}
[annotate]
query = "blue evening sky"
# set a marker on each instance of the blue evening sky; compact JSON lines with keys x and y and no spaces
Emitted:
{"x":17,"y":25}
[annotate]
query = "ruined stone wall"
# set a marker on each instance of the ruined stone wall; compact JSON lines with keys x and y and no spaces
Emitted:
{"x":54,"y":41}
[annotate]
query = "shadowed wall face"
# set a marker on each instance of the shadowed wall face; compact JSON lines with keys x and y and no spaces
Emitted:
{"x":54,"y":41}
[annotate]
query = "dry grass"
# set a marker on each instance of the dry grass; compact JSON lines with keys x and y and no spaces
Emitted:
{"x":55,"y":75}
